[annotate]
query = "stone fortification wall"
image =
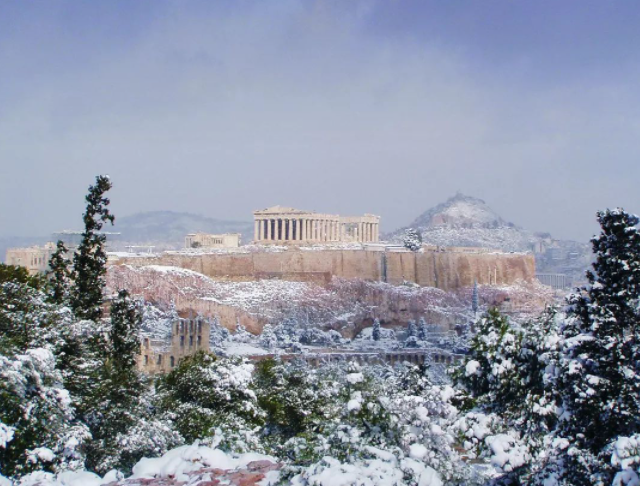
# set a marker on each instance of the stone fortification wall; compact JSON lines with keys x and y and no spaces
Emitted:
{"x":451,"y":270}
{"x":446,"y":270}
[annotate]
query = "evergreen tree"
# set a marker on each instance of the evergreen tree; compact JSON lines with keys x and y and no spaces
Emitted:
{"x":268,"y":338}
{"x":59,"y":275}
{"x":412,"y":331}
{"x":375,"y":331}
{"x":474,"y":297}
{"x":411,"y":340}
{"x":118,"y":408}
{"x":37,"y":425}
{"x":205,"y":393}
{"x":412,"y":239}
{"x":27,"y":320}
{"x":126,"y":320}
{"x":89,"y":261}
{"x":600,"y":383}
{"x":16,"y":274}
{"x":423,"y":332}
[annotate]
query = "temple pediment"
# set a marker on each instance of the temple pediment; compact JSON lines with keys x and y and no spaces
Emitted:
{"x":281,"y":210}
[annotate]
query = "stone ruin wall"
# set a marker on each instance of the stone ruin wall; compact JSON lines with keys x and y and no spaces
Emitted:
{"x":446,"y":270}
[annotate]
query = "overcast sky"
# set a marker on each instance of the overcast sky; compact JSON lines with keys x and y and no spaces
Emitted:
{"x":346,"y":106}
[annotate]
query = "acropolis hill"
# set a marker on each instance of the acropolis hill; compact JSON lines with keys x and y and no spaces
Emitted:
{"x":295,"y":245}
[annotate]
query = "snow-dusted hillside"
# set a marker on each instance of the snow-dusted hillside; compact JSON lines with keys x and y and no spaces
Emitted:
{"x":344,"y":305}
{"x":468,"y":221}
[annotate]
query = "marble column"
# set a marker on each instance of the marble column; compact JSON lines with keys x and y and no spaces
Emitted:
{"x":256,"y":231}
{"x":268,"y":229}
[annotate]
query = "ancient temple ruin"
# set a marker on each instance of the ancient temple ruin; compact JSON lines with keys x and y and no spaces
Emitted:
{"x":282,"y":225}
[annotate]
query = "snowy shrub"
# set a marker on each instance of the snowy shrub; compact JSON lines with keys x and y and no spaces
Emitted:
{"x":296,"y":399}
{"x":378,"y":467}
{"x":268,"y":338}
{"x":626,"y":458}
{"x":27,"y":320}
{"x":36,"y":417}
{"x":204,"y":393}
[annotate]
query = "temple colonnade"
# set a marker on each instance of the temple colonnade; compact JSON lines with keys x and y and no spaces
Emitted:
{"x":288,"y":225}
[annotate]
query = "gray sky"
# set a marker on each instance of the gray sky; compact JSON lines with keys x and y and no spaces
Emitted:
{"x":388,"y":107}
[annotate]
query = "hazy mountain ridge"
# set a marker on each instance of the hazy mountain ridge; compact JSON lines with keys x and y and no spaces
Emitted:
{"x":167,"y":229}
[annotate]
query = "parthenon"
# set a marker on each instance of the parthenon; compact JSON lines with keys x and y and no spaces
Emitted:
{"x":294,"y":226}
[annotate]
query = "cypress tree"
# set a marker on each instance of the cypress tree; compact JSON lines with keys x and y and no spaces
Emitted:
{"x":474,"y":297}
{"x":59,"y":275}
{"x":423,"y":332}
{"x":89,"y":261}
{"x":375,"y":332}
{"x":412,"y":331}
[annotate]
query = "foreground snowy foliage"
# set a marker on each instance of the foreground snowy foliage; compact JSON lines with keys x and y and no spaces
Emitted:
{"x":553,"y":402}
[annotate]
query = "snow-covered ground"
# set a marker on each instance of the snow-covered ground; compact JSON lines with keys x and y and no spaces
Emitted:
{"x":199,"y":464}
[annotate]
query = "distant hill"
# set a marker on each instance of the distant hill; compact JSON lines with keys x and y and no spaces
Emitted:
{"x":468,"y":221}
{"x":167,"y":229}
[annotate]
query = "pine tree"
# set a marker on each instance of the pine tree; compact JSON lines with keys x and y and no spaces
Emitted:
{"x":375,"y":331}
{"x":600,"y":384}
{"x":89,"y":261}
{"x":59,"y":275}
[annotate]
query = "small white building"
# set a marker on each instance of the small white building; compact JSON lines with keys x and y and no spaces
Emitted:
{"x":204,"y":240}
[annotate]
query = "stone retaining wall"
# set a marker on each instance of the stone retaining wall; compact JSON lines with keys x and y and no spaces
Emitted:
{"x":446,"y":270}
